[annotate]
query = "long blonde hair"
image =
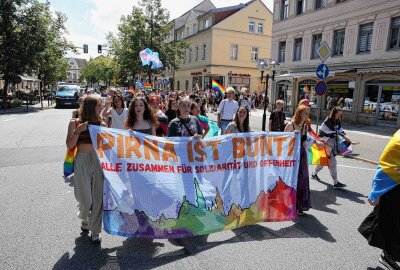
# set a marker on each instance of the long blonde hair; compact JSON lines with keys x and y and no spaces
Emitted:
{"x":297,"y":115}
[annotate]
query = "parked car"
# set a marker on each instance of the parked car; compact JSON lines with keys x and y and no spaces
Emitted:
{"x":67,"y":95}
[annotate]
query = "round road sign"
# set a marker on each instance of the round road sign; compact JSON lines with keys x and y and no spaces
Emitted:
{"x":320,"y":88}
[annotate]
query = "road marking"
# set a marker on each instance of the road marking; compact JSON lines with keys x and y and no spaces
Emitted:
{"x":9,"y":119}
{"x":369,"y":134}
{"x":360,"y":168}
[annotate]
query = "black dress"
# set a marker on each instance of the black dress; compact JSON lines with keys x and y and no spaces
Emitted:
{"x":382,"y":227}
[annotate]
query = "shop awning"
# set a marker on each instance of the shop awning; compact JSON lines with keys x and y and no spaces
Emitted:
{"x":378,"y":69}
{"x":309,"y":74}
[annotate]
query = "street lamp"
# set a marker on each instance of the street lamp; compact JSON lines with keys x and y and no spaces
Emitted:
{"x":274,"y":64}
{"x":263,"y":65}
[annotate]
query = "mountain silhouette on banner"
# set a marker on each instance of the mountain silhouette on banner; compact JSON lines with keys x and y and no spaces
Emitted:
{"x":278,"y":204}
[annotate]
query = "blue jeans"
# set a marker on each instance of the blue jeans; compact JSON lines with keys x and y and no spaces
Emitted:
{"x":224,"y":124}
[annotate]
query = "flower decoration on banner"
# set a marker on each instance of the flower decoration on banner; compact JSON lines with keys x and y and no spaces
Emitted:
{"x":148,"y":56}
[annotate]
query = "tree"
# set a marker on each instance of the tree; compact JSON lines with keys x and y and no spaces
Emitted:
{"x":100,"y":69}
{"x":26,"y":28}
{"x":146,"y":27}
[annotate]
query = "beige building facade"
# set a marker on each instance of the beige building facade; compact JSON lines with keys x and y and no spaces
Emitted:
{"x":224,"y":45}
{"x":364,"y":37}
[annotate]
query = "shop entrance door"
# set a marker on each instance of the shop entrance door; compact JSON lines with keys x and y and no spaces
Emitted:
{"x":386,"y":104}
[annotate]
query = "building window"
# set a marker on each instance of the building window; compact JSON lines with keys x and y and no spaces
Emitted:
{"x":338,"y":42}
{"x":190,"y":55}
{"x":182,"y":35}
{"x":194,"y":28}
{"x":320,"y":4}
{"x":254,"y":54}
{"x":282,"y":51}
{"x":301,"y":6}
{"x":204,"y":52}
{"x":365,"y":38}
{"x":187,"y":31}
{"x":260,"y":28}
{"x":297,"y":49}
{"x":395,"y":34}
{"x":186,"y":85}
{"x":284,"y":9}
{"x":339,"y":1}
{"x":206,"y":24}
{"x":234,"y":52}
{"x":251,"y":27}
{"x":178,"y":84}
{"x":196,"y":54}
{"x":317,"y":39}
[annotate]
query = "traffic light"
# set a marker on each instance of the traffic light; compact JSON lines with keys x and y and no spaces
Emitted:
{"x":85,"y":48}
{"x":99,"y":48}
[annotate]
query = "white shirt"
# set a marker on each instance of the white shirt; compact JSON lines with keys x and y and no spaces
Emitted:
{"x":118,"y":119}
{"x":227,"y":109}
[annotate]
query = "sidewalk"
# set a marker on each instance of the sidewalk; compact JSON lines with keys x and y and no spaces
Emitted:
{"x":31,"y":108}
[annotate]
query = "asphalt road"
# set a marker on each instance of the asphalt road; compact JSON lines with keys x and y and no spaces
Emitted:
{"x":40,"y":230}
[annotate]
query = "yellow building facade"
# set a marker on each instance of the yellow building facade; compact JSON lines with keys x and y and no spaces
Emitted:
{"x":224,"y":45}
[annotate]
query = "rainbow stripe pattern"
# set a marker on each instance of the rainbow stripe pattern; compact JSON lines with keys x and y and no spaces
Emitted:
{"x":387,"y":174}
{"x":148,"y":87}
{"x":69,"y":161}
{"x":218,"y":88}
{"x":317,"y":155}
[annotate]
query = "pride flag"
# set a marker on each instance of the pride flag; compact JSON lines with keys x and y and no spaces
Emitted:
{"x":69,"y":162}
{"x":132,"y":90}
{"x":148,"y":87}
{"x":317,"y":155}
{"x":387,"y":174}
{"x":218,"y":88}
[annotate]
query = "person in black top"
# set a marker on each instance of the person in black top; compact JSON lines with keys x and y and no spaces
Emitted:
{"x":185,"y":125}
{"x":171,"y":112}
{"x":299,"y":126}
{"x":277,"y":117}
{"x":88,"y":175}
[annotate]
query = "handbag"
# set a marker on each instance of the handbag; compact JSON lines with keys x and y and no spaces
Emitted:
{"x":69,"y":159}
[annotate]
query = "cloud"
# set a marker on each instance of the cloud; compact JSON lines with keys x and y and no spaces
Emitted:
{"x":106,"y":14}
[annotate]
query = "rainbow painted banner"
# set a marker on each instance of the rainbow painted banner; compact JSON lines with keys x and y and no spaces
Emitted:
{"x":69,"y":161}
{"x":159,"y":187}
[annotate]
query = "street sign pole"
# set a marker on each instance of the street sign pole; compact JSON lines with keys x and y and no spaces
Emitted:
{"x":322,"y":72}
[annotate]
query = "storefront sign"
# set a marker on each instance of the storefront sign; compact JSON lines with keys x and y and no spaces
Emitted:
{"x":312,"y":82}
{"x":391,"y":88}
{"x":196,"y":73}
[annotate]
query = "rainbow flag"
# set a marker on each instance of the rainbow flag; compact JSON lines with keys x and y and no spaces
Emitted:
{"x":148,"y":87}
{"x":317,"y":155}
{"x":387,"y":174}
{"x":218,"y":88}
{"x":69,"y":162}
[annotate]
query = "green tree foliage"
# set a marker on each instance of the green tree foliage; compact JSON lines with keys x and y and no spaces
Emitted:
{"x":100,"y":70}
{"x":146,"y":27}
{"x":30,"y":40}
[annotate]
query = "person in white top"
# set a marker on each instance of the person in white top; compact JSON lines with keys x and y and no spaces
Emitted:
{"x":227,"y":109}
{"x":117,"y":112}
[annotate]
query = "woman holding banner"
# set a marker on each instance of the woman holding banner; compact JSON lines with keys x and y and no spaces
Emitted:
{"x":88,"y":179}
{"x":241,"y":121}
{"x":298,"y":125}
{"x":185,"y":125}
{"x":140,"y":117}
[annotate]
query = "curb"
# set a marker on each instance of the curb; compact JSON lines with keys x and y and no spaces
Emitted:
{"x":361,"y":159}
{"x":24,"y":110}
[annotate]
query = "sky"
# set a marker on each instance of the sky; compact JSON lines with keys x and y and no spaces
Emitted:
{"x":90,"y":20}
